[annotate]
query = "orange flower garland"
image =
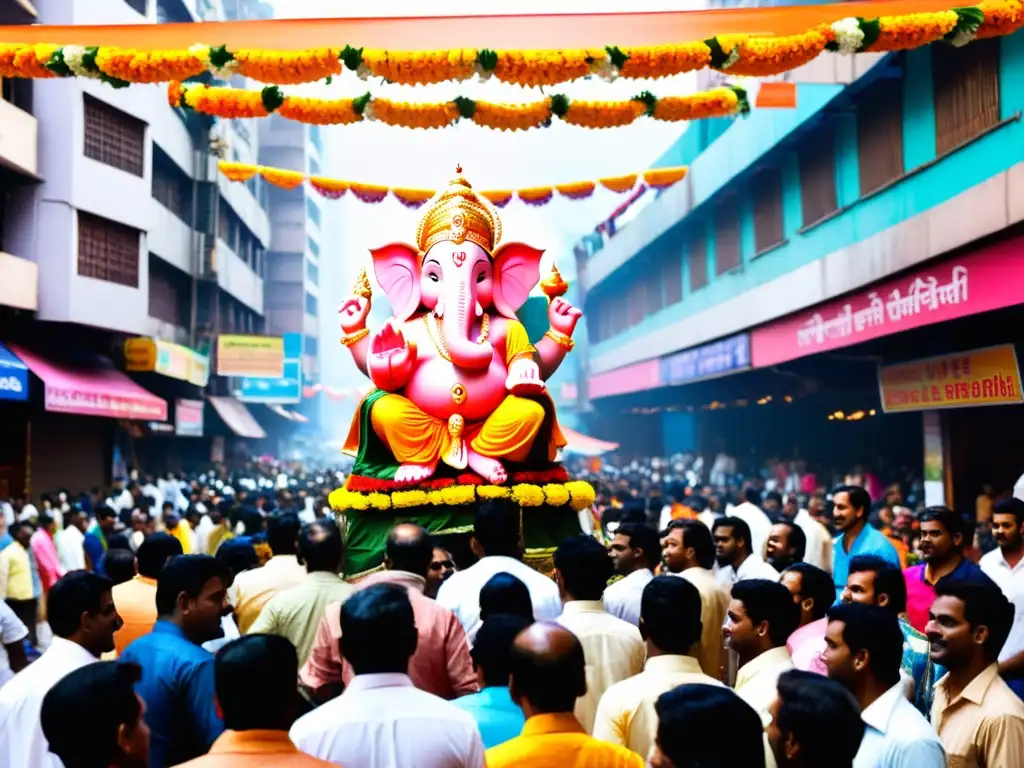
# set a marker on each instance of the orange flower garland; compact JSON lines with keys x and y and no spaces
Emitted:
{"x":369,"y":193}
{"x":332,"y":189}
{"x":900,"y":33}
{"x":320,"y":111}
{"x":536,"y":195}
{"x":26,"y":60}
{"x":228,"y":103}
{"x":288,"y":67}
{"x":619,"y":183}
{"x":425,"y":67}
{"x":534,"y":68}
{"x":720,"y":101}
{"x":279,"y":177}
{"x":237,"y":171}
{"x":766,"y":56}
{"x":659,"y":178}
{"x":414,"y":115}
{"x":576,"y":190}
{"x":148,"y":66}
{"x":1002,"y":17}
{"x":412,"y":198}
{"x":665,"y":60}
{"x":603,"y":114}
{"x":512,"y":117}
{"x":498,"y":197}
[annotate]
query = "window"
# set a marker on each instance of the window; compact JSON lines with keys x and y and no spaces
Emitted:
{"x":169,"y":292}
{"x":768,"y":230}
{"x":698,"y":259}
{"x":880,"y":135}
{"x":311,"y":304}
{"x":313,"y":245}
{"x":108,"y":250}
{"x":313,"y":211}
{"x":171,"y":187}
{"x":727,"y":235}
{"x":818,"y":178}
{"x":312,"y":273}
{"x":113,"y":137}
{"x":672,"y":276}
{"x":966,"y":88}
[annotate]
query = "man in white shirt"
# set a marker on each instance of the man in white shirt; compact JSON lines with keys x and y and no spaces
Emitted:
{"x":1005,"y":566}
{"x":863,"y":652}
{"x":12,"y":637}
{"x":819,"y":539}
{"x":759,"y":523}
{"x":81,"y":613}
{"x":735,"y":560}
{"x":613,"y":648}
{"x":71,"y":541}
{"x":497,"y":541}
{"x":382,"y":720}
{"x":635,"y":552}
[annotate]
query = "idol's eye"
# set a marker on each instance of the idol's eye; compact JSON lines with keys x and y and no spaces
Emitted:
{"x":434,"y":277}
{"x":481,"y":277}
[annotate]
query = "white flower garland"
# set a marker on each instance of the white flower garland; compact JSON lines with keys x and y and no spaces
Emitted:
{"x":732,"y":58}
{"x":604,"y":69}
{"x":74,"y":56}
{"x":221,"y":73}
{"x":849,"y":35}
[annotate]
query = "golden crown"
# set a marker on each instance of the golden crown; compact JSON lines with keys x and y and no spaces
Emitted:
{"x":458,"y":214}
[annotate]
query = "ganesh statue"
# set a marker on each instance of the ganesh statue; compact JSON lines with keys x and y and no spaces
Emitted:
{"x":459,"y":387}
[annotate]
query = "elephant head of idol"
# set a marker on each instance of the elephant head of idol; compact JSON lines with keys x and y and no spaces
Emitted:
{"x":458,"y":271}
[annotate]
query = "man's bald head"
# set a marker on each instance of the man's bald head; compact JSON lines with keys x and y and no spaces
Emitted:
{"x":409,"y":549}
{"x":548,"y":669}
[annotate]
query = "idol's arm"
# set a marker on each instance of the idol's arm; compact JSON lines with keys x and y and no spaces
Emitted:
{"x":360,"y":349}
{"x":557,"y":342}
{"x":550,"y":354}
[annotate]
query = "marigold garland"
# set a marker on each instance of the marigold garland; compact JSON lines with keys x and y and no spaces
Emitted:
{"x":577,"y":494}
{"x":755,"y":55}
{"x":718,"y":102}
{"x":334,"y":189}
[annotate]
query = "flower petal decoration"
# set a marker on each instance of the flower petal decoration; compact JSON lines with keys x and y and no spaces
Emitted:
{"x":535,"y":195}
{"x":282,"y":178}
{"x":412,"y":198}
{"x":498,"y":197}
{"x":369,"y":193}
{"x":665,"y":60}
{"x":900,"y":33}
{"x":619,"y":183}
{"x":512,"y":117}
{"x":237,"y":171}
{"x":148,"y":66}
{"x":332,"y":189}
{"x":766,"y":56}
{"x":577,"y":190}
{"x":414,"y":115}
{"x":1002,"y":17}
{"x":603,"y":114}
{"x":288,"y":67}
{"x":660,"y":178}
{"x":421,"y":67}
{"x":303,"y":109}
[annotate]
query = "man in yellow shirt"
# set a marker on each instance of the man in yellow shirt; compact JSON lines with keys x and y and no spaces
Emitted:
{"x":548,"y":675}
{"x":16,"y":577}
{"x":253,"y":589}
{"x":670,"y":625}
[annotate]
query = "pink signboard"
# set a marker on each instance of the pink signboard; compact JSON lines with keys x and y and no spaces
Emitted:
{"x":992,"y":278}
{"x":93,"y":391}
{"x":622,"y":381}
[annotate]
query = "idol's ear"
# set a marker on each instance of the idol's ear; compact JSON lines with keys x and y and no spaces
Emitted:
{"x":516,"y":272}
{"x":397,"y":268}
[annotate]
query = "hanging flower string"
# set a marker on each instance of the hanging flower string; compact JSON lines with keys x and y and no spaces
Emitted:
{"x":752,"y":55}
{"x":333,"y":189}
{"x":233,"y":102}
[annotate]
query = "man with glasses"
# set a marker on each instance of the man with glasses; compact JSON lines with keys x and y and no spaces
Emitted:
{"x":442,"y":565}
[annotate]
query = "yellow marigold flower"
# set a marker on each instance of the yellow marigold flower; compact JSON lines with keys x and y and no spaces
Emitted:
{"x":528,"y":495}
{"x":492,"y":492}
{"x":717,"y":102}
{"x":619,"y":183}
{"x":458,"y":495}
{"x":582,"y":494}
{"x":535,"y":68}
{"x":765,"y":56}
{"x":288,"y":67}
{"x":304,"y":109}
{"x":512,"y":117}
{"x":237,"y":171}
{"x":1002,"y":17}
{"x":900,"y":33}
{"x":659,"y":178}
{"x":409,"y":115}
{"x":665,"y":60}
{"x":576,"y":190}
{"x":8,"y":52}
{"x":421,"y":68}
{"x":603,"y":114}
{"x":148,"y":66}
{"x":30,"y":60}
{"x":556,"y":494}
{"x":435,"y":497}
{"x":280,"y":177}
{"x":379,"y":501}
{"x":406,"y":499}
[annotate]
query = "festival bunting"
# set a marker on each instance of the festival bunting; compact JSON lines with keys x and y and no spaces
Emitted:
{"x":656,"y":178}
{"x":232,"y":103}
{"x":736,"y":54}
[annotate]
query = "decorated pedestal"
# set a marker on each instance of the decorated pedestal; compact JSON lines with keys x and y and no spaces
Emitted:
{"x":460,"y":412}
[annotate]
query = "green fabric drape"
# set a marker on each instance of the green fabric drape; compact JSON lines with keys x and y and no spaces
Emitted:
{"x":374,"y":458}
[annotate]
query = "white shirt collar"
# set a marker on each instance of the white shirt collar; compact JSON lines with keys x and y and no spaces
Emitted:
{"x":879,"y":712}
{"x":768,"y":661}
{"x":379,"y":680}
{"x":70,"y":650}
{"x":583,"y":606}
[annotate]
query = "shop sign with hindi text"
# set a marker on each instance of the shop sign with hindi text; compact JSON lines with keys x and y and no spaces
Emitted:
{"x":987,"y":376}
{"x":260,"y":356}
{"x":985,"y":280}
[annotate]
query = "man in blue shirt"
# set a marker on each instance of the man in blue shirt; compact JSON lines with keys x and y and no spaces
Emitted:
{"x":95,"y":542}
{"x":497,"y":716}
{"x":851,"y":504}
{"x":178,"y":677}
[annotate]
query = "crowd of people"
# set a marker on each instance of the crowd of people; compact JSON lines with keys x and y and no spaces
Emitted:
{"x":207,"y":624}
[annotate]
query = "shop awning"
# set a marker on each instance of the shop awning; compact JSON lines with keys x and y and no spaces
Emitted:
{"x":284,"y":413}
{"x":13,"y":376}
{"x":584,"y":445}
{"x":237,"y":417}
{"x":92,"y":391}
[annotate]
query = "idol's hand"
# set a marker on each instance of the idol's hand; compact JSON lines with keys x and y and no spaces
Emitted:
{"x":524,"y":378}
{"x":352,"y":312}
{"x":563,"y":316}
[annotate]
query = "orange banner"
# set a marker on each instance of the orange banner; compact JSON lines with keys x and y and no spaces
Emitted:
{"x":980,"y":377}
{"x":554,"y":31}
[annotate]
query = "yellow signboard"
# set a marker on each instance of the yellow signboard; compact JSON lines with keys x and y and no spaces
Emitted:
{"x":988,"y":376}
{"x":163,"y":357}
{"x":261,"y":356}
